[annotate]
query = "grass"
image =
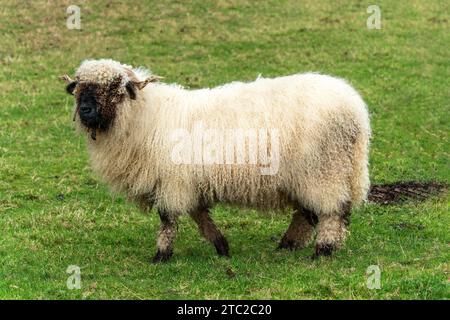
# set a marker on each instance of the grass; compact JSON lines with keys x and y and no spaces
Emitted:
{"x":54,"y":212}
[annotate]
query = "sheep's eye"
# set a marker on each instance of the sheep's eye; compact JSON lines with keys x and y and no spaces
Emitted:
{"x":70,"y":87}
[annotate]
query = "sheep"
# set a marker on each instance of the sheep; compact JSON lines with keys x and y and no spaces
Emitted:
{"x":312,"y":131}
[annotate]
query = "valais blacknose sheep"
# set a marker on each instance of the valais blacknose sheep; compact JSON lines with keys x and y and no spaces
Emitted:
{"x":299,"y":141}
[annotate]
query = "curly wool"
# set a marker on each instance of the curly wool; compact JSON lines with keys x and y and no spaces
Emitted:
{"x":323,"y":127}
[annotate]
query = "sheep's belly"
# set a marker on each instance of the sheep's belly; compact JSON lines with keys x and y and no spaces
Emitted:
{"x":255,"y":191}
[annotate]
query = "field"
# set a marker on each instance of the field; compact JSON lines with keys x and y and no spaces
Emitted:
{"x":54,"y":212}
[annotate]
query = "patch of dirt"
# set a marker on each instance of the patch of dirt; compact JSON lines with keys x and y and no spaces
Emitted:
{"x":408,"y":226}
{"x":399,"y":192}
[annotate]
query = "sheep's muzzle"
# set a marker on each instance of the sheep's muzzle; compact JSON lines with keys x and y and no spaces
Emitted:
{"x":88,"y":110}
{"x":96,"y":106}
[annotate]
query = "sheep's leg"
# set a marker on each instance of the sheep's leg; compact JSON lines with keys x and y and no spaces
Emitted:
{"x":300,"y":231}
{"x":331,"y":231}
{"x":165,"y":238}
{"x":209,"y":230}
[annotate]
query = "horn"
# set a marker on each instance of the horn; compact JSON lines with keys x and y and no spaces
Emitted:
{"x":66,"y":78}
{"x":141,"y":84}
{"x":153,"y":78}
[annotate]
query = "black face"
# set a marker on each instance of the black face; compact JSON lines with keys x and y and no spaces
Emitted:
{"x":97,"y":104}
{"x":88,"y":109}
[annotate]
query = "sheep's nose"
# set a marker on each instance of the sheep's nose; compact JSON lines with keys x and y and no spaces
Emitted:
{"x":86,"y":110}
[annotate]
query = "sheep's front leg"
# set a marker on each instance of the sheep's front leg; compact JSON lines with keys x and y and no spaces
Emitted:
{"x":209,"y":230}
{"x":300,"y":231}
{"x":165,"y":238}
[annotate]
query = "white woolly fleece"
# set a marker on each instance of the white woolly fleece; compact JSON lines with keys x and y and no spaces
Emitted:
{"x":323,"y":127}
{"x":104,"y":71}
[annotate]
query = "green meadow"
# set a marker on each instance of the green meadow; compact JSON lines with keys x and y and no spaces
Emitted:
{"x":54,"y":212}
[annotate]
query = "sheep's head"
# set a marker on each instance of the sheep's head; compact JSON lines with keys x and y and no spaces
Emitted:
{"x":99,"y":87}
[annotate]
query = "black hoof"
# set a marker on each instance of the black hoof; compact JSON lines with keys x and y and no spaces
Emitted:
{"x":288,"y":244}
{"x":325,"y":250}
{"x":162,"y":256}
{"x":222,"y":248}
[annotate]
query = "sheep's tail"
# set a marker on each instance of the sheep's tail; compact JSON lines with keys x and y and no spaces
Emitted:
{"x":398,"y":192}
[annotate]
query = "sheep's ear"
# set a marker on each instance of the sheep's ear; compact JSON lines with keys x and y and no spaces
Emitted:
{"x":131,"y":89}
{"x":70,"y":87}
{"x":71,"y":84}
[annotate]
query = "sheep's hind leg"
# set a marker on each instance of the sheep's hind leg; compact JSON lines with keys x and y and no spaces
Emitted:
{"x":165,"y":239}
{"x":300,"y":232}
{"x":209,"y":230}
{"x":331,"y":231}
